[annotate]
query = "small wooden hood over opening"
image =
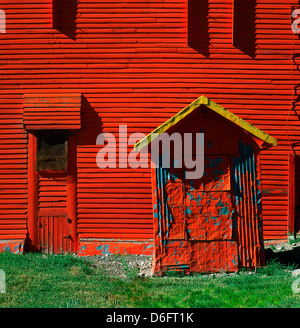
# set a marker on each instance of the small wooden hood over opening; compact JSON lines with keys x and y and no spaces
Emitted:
{"x":52,"y":111}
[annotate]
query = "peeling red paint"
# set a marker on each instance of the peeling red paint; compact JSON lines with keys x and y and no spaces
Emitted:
{"x":214,"y":256}
{"x":12,"y":246}
{"x":88,"y":248}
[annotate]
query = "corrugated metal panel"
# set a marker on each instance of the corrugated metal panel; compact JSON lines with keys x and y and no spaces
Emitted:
{"x":132,"y":62}
{"x":51,"y":111}
{"x":247,"y":193}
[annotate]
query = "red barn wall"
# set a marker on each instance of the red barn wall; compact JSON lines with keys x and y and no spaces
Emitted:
{"x":131,"y":62}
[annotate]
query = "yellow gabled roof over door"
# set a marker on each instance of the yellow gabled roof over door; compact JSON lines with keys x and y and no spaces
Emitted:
{"x":202,"y":100}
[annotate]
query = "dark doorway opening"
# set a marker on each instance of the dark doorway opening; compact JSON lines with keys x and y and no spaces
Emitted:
{"x":52,"y":150}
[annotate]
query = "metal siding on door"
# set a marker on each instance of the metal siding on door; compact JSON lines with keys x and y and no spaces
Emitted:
{"x":195,"y":218}
{"x":208,"y":204}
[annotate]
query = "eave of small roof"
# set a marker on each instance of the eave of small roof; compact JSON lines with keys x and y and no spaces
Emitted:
{"x":203,"y":100}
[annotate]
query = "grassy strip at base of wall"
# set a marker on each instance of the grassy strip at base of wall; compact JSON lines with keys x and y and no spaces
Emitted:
{"x":66,"y":281}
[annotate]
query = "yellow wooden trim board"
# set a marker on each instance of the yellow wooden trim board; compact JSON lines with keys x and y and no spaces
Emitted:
{"x":202,"y":100}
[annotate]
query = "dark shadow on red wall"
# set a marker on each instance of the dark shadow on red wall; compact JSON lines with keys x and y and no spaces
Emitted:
{"x":244,"y":32}
{"x":64,"y":17}
{"x":91,"y":124}
{"x":198,"y":34}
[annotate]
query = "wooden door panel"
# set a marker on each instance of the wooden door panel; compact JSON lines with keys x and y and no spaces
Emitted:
{"x":54,"y":234}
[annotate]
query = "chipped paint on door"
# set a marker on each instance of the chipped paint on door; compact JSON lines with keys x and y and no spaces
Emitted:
{"x":211,"y":224}
{"x":195,"y":219}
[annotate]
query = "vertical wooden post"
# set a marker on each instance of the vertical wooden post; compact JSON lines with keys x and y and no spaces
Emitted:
{"x":72,"y":187}
{"x":291,"y":196}
{"x":32,"y":238}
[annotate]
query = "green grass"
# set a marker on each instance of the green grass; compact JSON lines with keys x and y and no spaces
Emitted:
{"x":62,"y":281}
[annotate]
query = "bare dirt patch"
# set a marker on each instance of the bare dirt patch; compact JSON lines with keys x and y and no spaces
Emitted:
{"x":123,"y":265}
{"x":141,"y":265}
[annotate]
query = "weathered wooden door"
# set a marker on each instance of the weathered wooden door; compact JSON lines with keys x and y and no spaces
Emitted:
{"x":54,"y":234}
{"x":52,"y":165}
{"x":53,"y":223}
{"x":52,"y":192}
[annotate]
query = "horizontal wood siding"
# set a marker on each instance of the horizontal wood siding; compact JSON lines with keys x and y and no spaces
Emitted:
{"x":131,"y":62}
{"x":13,"y":169}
